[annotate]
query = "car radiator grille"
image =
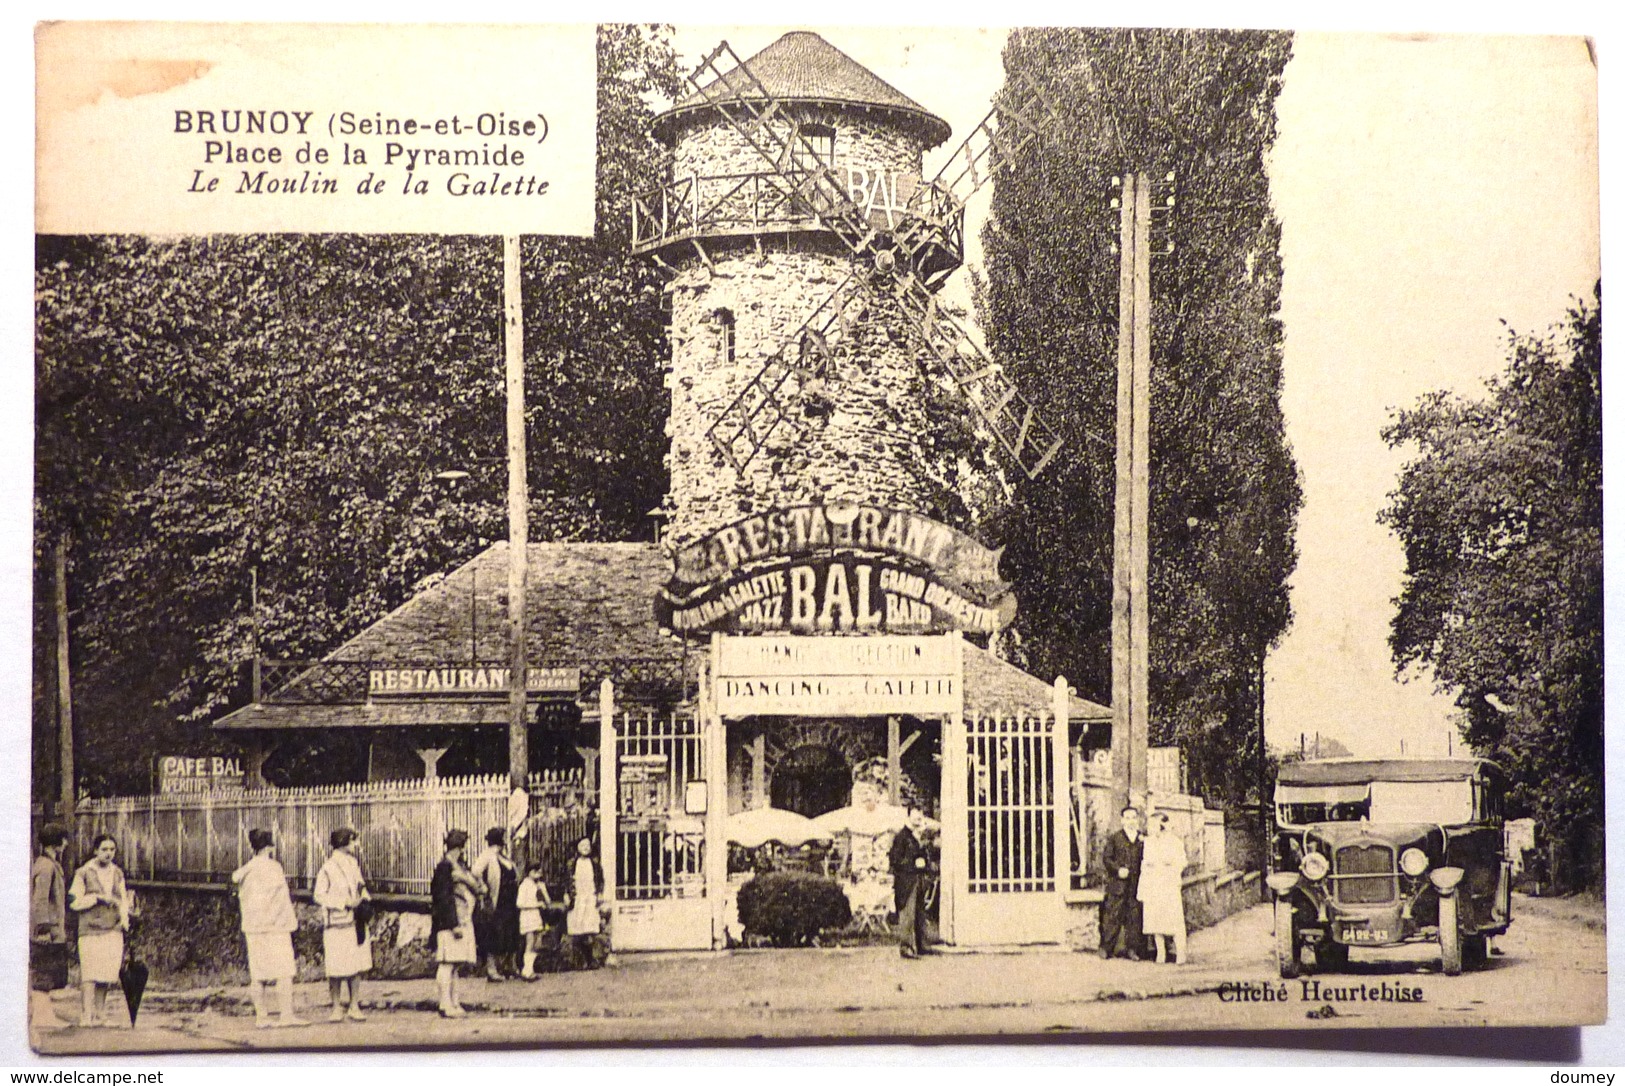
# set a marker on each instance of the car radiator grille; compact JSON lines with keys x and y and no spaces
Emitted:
{"x":1365,"y":875}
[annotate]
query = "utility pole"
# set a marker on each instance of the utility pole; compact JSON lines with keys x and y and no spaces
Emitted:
{"x":518,"y":520}
{"x":64,"y":696}
{"x":1131,"y":657}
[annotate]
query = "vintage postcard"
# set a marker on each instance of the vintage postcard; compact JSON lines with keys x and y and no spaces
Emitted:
{"x":599,"y":534}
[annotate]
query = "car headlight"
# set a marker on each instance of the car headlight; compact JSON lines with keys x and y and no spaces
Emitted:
{"x":1413,"y":861}
{"x":1314,"y":867}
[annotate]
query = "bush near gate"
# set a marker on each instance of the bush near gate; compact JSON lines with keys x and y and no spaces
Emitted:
{"x":790,"y":908}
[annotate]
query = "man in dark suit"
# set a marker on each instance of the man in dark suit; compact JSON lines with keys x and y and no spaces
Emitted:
{"x":1120,"y":910}
{"x":908,"y":870}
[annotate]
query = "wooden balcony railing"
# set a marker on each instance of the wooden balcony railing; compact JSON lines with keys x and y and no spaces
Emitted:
{"x":695,"y":208}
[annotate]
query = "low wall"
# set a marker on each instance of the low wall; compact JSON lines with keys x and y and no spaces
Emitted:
{"x":191,"y":935}
{"x":1209,"y":898}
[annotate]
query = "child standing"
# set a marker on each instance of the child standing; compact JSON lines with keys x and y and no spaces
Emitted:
{"x":532,"y":926}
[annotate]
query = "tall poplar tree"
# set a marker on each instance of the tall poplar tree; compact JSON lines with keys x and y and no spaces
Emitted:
{"x":1224,"y":487}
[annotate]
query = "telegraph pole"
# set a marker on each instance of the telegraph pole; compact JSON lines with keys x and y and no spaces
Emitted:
{"x":64,"y":695}
{"x":1131,"y":658}
{"x":518,"y":520}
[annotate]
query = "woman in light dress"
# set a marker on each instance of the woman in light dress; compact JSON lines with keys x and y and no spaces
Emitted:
{"x":453,"y":892}
{"x":268,"y":926}
{"x":102,"y":901}
{"x":581,"y":923}
{"x":346,"y":949}
{"x":1161,"y":890}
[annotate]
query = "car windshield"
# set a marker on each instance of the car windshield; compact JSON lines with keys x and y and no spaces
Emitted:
{"x":1444,"y":802}
{"x":1299,"y":805}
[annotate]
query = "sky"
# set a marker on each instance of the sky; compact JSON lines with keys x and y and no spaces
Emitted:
{"x":1428,"y":188}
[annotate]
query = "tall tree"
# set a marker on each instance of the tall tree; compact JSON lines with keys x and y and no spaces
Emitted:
{"x":1224,"y":487}
{"x":208,"y":408}
{"x":1500,"y":514}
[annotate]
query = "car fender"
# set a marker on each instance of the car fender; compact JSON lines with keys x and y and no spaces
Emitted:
{"x":1446,"y":879}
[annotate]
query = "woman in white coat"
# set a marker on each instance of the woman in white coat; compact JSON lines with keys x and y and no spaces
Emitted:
{"x":346,"y":949}
{"x":1161,"y":892}
{"x":100,"y":898}
{"x":268,"y":926}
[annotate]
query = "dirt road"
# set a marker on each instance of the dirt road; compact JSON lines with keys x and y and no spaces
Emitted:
{"x":1552,"y":971}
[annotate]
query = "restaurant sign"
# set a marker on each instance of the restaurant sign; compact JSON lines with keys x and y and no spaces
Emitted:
{"x":840,"y":569}
{"x":182,"y":775}
{"x":473,"y":679}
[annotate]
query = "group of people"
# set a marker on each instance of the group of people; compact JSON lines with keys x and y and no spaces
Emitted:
{"x":481,"y":912}
{"x":1144,"y":891}
{"x":102,"y":901}
{"x":268,"y":923}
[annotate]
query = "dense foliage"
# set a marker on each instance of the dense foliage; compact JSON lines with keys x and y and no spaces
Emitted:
{"x":208,"y":407}
{"x":1500,"y":514}
{"x":791,"y":908}
{"x":1224,"y":487}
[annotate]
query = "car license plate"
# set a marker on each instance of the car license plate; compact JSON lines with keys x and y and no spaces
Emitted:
{"x":1362,"y":934}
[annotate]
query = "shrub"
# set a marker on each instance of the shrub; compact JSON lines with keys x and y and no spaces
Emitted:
{"x":790,"y":908}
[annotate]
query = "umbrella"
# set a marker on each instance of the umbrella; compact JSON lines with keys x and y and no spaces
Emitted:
{"x":133,"y":979}
{"x":868,"y":822}
{"x":755,"y":828}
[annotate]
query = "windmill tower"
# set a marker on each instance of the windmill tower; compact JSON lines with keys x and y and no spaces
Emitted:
{"x":810,"y":365}
{"x":804,"y":250}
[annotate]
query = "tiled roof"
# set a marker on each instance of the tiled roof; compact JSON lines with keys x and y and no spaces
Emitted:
{"x":803,"y":67}
{"x":993,"y":686}
{"x":586,"y":603}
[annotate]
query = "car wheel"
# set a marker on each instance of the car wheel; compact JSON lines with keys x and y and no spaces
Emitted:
{"x":1449,"y":936}
{"x":1286,"y":939}
{"x":1332,"y":956}
{"x":1475,"y":951}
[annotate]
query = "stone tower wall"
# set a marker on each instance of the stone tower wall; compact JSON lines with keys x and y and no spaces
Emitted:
{"x":868,"y":446}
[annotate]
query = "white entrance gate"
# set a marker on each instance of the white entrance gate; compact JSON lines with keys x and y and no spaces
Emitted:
{"x":1012,"y":842}
{"x":658,"y":770}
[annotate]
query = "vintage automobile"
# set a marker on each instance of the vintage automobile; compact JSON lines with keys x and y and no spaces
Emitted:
{"x":1379,"y":852}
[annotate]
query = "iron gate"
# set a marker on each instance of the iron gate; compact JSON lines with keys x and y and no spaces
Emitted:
{"x":660,"y":898}
{"x":1011,"y":832}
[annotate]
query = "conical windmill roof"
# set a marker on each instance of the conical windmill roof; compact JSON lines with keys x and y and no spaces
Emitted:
{"x":802,"y":67}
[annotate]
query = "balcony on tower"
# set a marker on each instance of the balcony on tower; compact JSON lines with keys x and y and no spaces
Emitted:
{"x":762,"y":155}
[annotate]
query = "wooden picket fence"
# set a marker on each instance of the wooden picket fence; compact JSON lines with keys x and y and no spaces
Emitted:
{"x":203,"y":838}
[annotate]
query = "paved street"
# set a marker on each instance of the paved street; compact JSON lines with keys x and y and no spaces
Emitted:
{"x":1552,"y":972}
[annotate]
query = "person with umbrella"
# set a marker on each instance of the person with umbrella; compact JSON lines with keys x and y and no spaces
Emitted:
{"x":48,"y":909}
{"x":340,"y":890}
{"x":268,"y":924}
{"x":102,"y":901}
